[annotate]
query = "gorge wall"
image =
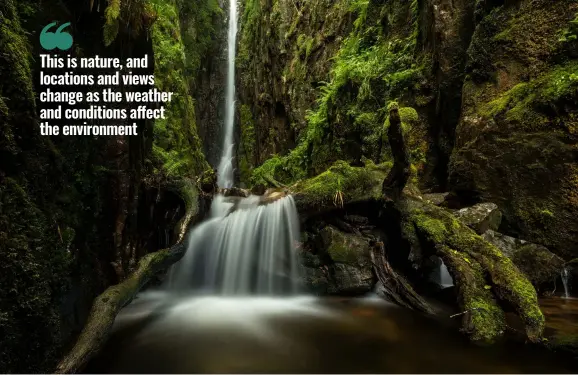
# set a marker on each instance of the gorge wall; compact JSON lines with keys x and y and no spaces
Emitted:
{"x":488,"y":97}
{"x":77,"y":213}
{"x":488,"y":91}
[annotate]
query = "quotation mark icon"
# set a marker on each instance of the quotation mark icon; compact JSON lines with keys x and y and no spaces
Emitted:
{"x":59,"y":39}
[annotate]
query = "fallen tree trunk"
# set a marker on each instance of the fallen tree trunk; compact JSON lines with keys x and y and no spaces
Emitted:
{"x":107,"y":305}
{"x":394,"y":287}
{"x":482,"y":274}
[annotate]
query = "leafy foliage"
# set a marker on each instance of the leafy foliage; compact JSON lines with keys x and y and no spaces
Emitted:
{"x":177,"y":148}
{"x":373,"y":66}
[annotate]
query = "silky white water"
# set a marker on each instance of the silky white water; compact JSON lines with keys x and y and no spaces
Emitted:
{"x":250,"y":250}
{"x":565,"y":276}
{"x":446,"y":279}
{"x":225,"y":169}
{"x":241,"y":259}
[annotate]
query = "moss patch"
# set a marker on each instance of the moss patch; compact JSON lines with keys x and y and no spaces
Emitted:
{"x":176,"y":149}
{"x":352,"y":183}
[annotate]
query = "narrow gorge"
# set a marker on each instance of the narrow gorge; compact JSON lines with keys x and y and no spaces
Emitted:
{"x":383,"y":186}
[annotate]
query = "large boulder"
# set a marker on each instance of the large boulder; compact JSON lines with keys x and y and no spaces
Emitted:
{"x":516,"y":139}
{"x":352,"y":271}
{"x":340,"y":263}
{"x":481,"y":217}
{"x":539,"y":264}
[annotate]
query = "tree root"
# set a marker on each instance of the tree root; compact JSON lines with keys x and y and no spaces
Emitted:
{"x":482,"y":274}
{"x":107,"y":305}
{"x":394,"y":287}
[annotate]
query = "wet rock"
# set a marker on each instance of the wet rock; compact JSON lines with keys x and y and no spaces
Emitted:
{"x":480,"y":217}
{"x":349,"y":279}
{"x":435,"y":198}
{"x":234,"y":192}
{"x":315,"y":280}
{"x":539,"y":264}
{"x":357,"y":219}
{"x":345,"y":247}
{"x":310,"y":260}
{"x":342,"y":264}
{"x":508,"y":245}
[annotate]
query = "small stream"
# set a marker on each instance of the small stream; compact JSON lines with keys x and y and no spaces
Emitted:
{"x":208,"y":334}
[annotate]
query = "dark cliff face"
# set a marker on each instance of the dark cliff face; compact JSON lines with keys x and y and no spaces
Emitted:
{"x":76,"y":213}
{"x":516,"y":140}
{"x":284,"y":56}
{"x":210,"y":86}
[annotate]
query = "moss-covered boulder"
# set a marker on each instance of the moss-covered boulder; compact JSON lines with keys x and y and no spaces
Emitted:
{"x":480,"y":217}
{"x":539,"y":264}
{"x":339,"y":185}
{"x":342,"y":265}
{"x":484,"y":277}
{"x":516,"y":142}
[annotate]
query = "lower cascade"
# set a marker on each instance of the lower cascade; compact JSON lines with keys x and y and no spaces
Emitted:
{"x":565,"y":276}
{"x":245,"y":247}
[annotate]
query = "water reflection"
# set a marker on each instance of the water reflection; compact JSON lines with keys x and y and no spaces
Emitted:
{"x":301,"y":335}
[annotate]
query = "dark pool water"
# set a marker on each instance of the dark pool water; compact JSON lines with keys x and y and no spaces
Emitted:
{"x":303,"y":335}
{"x":561,"y":315}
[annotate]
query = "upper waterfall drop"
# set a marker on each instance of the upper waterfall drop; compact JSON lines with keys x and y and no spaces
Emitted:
{"x":225,"y":177}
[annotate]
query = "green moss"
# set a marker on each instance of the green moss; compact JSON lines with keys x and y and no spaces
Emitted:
{"x":34,"y":262}
{"x":435,"y":229}
{"x":525,"y":102}
{"x":344,"y":248}
{"x":176,"y":149}
{"x":355,"y":183}
{"x":570,"y":34}
{"x":375,"y":64}
{"x":564,"y":343}
{"x":248,"y":139}
{"x":469,"y":251}
{"x":199,"y":28}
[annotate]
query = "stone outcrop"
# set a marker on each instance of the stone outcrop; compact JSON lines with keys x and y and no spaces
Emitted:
{"x":516,"y":142}
{"x":480,"y":217}
{"x":539,"y":264}
{"x":343,"y":264}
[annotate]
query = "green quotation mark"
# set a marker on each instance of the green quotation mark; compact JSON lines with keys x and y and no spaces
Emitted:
{"x":59,"y":39}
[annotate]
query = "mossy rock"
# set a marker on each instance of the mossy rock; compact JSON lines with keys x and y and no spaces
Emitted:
{"x":564,"y":343}
{"x":482,"y":274}
{"x":345,"y":248}
{"x":516,"y":141}
{"x":339,"y":185}
{"x":341,"y":266}
{"x":539,"y":264}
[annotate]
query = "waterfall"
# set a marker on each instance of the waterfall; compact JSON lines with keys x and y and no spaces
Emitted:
{"x":225,"y":169}
{"x":245,"y":246}
{"x":250,"y":250}
{"x":565,"y":275}
{"x":446,"y":279}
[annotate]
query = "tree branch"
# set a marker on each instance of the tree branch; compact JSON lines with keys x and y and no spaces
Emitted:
{"x":107,"y":305}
